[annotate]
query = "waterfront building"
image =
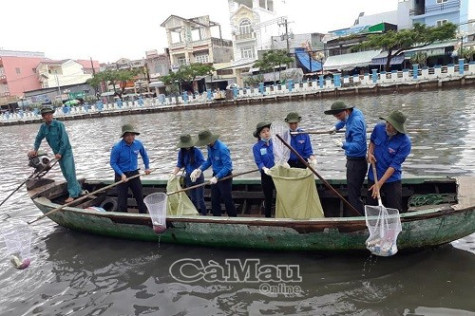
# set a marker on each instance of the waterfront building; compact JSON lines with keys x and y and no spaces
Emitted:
{"x":18,"y":74}
{"x":253,"y":23}
{"x":191,"y":41}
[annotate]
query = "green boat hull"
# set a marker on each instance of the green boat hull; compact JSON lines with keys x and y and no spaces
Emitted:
{"x":429,"y":227}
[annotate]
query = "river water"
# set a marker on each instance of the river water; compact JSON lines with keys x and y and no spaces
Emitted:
{"x":78,"y":274}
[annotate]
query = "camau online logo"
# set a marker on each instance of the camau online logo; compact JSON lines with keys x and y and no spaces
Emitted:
{"x":272,"y":279}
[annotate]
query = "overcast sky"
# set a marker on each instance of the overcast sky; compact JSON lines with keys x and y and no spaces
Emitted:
{"x":108,"y":30}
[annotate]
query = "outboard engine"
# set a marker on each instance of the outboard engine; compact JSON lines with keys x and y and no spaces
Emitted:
{"x":40,"y":162}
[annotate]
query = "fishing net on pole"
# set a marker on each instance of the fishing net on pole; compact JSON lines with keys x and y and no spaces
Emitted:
{"x":281,"y":152}
{"x":180,"y":203}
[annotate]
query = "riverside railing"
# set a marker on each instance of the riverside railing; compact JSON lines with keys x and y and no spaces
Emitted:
{"x":414,"y":75}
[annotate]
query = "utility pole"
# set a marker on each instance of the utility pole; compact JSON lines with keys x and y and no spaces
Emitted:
{"x":287,"y":37}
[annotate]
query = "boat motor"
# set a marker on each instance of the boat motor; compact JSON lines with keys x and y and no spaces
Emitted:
{"x":39,"y":162}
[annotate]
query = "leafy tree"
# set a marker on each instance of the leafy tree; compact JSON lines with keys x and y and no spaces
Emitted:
{"x":419,"y":58}
{"x":186,"y":75}
{"x":117,"y":78}
{"x":468,"y":54}
{"x":396,"y":42}
{"x":272,"y":59}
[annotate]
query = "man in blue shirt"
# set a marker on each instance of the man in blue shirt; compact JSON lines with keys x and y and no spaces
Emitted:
{"x":124,"y":161}
{"x":219,"y":158}
{"x":264,"y":158}
{"x":57,"y":138}
{"x":355,"y":149}
{"x":300,"y":142}
{"x":388,"y":149}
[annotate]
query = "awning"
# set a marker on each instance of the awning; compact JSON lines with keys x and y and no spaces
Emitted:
{"x":350,"y":61}
{"x":305,"y":60}
{"x":156,"y":84}
{"x":107,"y":94}
{"x":432,"y":49}
{"x":382,"y":59}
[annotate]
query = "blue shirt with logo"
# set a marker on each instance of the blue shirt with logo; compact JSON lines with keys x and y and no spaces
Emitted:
{"x":389,"y":152}
{"x":124,"y":157}
{"x":219,"y":157}
{"x":301,"y":143}
{"x":263,"y":154}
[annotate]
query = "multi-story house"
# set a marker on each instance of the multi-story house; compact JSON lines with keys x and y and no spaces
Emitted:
{"x":18,"y":74}
{"x":57,"y":73}
{"x":253,"y":23}
{"x":438,"y":12}
{"x":191,"y":41}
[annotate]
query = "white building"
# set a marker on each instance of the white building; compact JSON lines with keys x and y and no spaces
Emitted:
{"x":253,"y":23}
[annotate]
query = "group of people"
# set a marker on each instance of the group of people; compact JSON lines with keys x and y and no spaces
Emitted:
{"x":388,"y":148}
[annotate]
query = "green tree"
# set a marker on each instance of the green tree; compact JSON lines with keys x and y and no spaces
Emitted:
{"x":396,"y":42}
{"x":186,"y":75}
{"x":272,"y":59}
{"x":117,"y":78}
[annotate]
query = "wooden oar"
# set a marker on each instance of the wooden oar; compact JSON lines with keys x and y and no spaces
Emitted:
{"x":87,"y":195}
{"x":328,"y":185}
{"x":45,"y":168}
{"x":410,"y":130}
{"x":207,"y":182}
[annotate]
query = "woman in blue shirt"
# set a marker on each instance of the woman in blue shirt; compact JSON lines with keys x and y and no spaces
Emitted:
{"x":190,"y":158}
{"x":264,"y":158}
{"x":388,"y":149}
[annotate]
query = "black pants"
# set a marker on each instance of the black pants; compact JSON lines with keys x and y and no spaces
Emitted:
{"x":222,"y":190}
{"x":296,"y":164}
{"x":391,"y":194}
{"x":268,"y":189}
{"x":356,"y":169}
{"x":135,"y":186}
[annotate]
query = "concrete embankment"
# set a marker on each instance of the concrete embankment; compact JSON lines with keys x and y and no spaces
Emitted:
{"x":312,"y":92}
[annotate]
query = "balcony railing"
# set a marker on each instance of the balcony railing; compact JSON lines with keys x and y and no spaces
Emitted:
{"x":455,"y":4}
{"x":245,"y":36}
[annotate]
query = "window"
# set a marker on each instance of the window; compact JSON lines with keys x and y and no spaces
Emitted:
{"x":18,"y":71}
{"x":222,"y":72}
{"x":203,"y":59}
{"x":441,"y":22}
{"x":247,"y":52}
{"x":181,"y":61}
{"x":441,"y":1}
{"x":245,"y":27}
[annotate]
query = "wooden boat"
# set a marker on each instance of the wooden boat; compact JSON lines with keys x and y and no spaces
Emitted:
{"x":439,"y":210}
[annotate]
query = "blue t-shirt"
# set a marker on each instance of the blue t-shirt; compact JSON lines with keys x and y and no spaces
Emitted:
{"x":124,"y":157}
{"x":263,"y":154}
{"x":301,"y":143}
{"x":355,"y":136}
{"x":219,"y":158}
{"x":185,"y":161}
{"x":389,"y":152}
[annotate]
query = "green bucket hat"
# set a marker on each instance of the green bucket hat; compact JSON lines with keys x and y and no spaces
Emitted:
{"x":185,"y":141}
{"x":397,"y":120}
{"x":206,"y":137}
{"x":47,"y":109}
{"x":129,"y":128}
{"x":337,"y":107}
{"x":293,"y":117}
{"x":259,"y":128}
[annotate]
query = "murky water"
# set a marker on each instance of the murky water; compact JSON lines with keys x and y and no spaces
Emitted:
{"x":79,"y":274}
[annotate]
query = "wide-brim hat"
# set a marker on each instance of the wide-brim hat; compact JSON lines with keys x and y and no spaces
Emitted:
{"x":128,"y":128}
{"x":185,"y":141}
{"x":259,"y":127}
{"x":337,"y":107}
{"x":293,"y":117}
{"x":46,"y":109}
{"x":206,"y":137}
{"x":397,"y":120}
